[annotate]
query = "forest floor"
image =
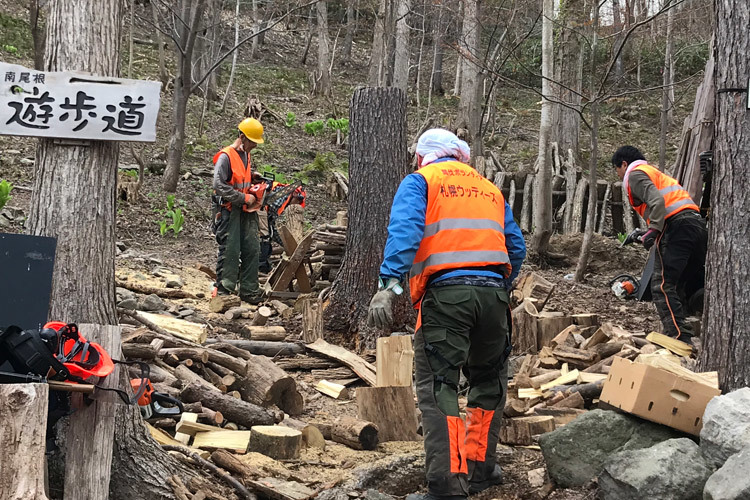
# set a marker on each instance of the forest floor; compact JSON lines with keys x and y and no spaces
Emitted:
{"x":279,"y":80}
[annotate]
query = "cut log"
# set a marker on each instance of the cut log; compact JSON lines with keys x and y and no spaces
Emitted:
{"x":362,"y":368}
{"x":575,"y":357}
{"x":565,"y":337}
{"x":336,"y":391}
{"x":264,"y":348}
{"x":205,"y":355}
{"x":391,"y":409}
{"x":307,"y":363}
{"x":167,"y":293}
{"x":339,"y":373}
{"x":281,"y":309}
{"x":520,"y":431}
{"x":586,"y":319}
{"x":394,"y":361}
{"x":549,"y":325}
{"x":261,"y":316}
{"x":267,"y":333}
{"x":23,"y":414}
{"x":311,"y":435}
{"x":676,"y":346}
{"x":236,"y":441}
{"x":342,"y":218}
{"x":276,"y":441}
{"x":222,"y":303}
{"x":524,"y":328}
{"x":145,"y":352}
{"x":266,"y":384}
{"x":515,"y":407}
{"x":607,"y":349}
{"x":357,"y":434}
{"x":235,"y":410}
{"x":177,"y":327}
{"x":238,"y":312}
{"x":312,"y":319}
{"x":575,"y":400}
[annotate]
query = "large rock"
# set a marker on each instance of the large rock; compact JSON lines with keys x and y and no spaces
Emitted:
{"x":396,"y":475}
{"x":151,"y":303}
{"x":732,"y":481}
{"x":671,"y":470}
{"x":726,"y":426}
{"x":575,"y":454}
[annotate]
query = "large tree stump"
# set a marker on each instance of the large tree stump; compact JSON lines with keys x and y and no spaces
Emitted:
{"x":391,"y":409}
{"x":23,"y":422}
{"x":377,"y":163}
{"x":266,"y":384}
{"x":275,"y":441}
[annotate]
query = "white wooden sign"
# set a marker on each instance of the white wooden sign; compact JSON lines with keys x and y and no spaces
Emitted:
{"x":76,"y":105}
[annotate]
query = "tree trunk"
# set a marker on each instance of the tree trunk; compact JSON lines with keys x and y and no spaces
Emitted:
{"x":351,"y":27}
{"x":234,"y":55}
{"x":401,"y":61}
{"x":619,"y":37}
{"x":23,"y":416}
{"x":323,"y":76}
{"x":377,"y":163}
{"x":726,"y":341}
{"x":37,"y":33}
{"x":163,"y":75}
{"x":438,"y":33}
{"x":666,"y":92}
{"x":470,"y":107}
{"x":191,"y":11}
{"x":543,"y":167}
{"x":569,"y":73}
{"x":583,"y":257}
{"x":376,"y":75}
{"x":461,"y":47}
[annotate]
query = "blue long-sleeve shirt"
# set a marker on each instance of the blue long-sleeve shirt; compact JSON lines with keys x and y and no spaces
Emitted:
{"x":406,"y":228}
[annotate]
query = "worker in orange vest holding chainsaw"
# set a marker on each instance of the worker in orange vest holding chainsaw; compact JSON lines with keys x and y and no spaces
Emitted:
{"x":453,"y":232}
{"x":677,"y":230}
{"x":237,"y":198}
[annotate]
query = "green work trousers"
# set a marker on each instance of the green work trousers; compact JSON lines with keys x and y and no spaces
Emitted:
{"x":463,"y":327}
{"x":239,"y":249}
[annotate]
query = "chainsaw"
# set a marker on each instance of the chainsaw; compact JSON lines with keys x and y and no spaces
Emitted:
{"x":625,"y":286}
{"x":156,"y":404}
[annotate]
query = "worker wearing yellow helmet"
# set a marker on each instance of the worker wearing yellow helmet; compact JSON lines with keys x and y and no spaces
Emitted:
{"x":235,"y":215}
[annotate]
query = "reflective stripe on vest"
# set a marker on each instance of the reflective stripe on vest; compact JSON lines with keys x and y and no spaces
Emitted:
{"x":464,"y":224}
{"x":241,"y":176}
{"x":676,"y":198}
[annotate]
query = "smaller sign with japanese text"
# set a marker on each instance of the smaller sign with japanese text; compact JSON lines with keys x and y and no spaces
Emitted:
{"x":76,"y":105}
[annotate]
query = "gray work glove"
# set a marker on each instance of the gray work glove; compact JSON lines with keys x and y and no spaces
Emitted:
{"x":380,"y":313}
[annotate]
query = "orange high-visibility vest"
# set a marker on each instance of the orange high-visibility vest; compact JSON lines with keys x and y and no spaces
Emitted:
{"x":241,"y":177}
{"x":464,"y":224}
{"x":676,"y":198}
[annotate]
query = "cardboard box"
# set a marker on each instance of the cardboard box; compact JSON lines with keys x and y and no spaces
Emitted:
{"x":657,"y":395}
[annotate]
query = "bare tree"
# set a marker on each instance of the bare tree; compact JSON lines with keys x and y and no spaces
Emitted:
{"x":322,"y":78}
{"x":378,"y":58}
{"x":726,"y":341}
{"x":37,"y":31}
{"x":667,"y":92}
{"x":543,"y":167}
{"x":351,"y":27}
{"x":401,"y":60}
{"x":234,"y":55}
{"x":438,"y":35}
{"x":163,"y":75}
{"x":469,"y":106}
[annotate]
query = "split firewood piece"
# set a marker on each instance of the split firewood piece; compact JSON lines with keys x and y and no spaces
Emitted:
{"x":587,"y":378}
{"x":311,"y":435}
{"x":391,"y":409}
{"x":281,"y":309}
{"x":568,"y":378}
{"x":535,"y":286}
{"x":394,"y":361}
{"x":539,"y":380}
{"x":575,"y":400}
{"x":336,"y":391}
{"x":235,"y":410}
{"x":562,"y":416}
{"x":312,"y":319}
{"x":276,"y":441}
{"x":529,"y":393}
{"x":261,"y":316}
{"x":266,"y":385}
{"x":515,"y":408}
{"x":575,"y":357}
{"x":362,"y":368}
{"x":192,"y":428}
{"x":181,"y":437}
{"x":520,"y":431}
{"x":524,"y":328}
{"x":549,"y":324}
{"x":236,"y":441}
{"x":676,"y":346}
{"x":259,"y":332}
{"x":222,"y":303}
{"x":565,"y":337}
{"x":187,"y":330}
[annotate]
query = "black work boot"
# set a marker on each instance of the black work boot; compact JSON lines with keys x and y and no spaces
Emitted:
{"x":431,"y":496}
{"x":481,"y":479}
{"x":252,"y":299}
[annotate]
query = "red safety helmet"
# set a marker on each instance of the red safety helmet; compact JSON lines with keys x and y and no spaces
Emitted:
{"x":80,"y":357}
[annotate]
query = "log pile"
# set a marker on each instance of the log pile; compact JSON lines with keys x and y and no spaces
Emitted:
{"x":565,"y":378}
{"x":328,"y":249}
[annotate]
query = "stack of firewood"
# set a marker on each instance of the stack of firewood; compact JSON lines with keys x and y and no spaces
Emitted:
{"x":565,"y":378}
{"x":329,"y":247}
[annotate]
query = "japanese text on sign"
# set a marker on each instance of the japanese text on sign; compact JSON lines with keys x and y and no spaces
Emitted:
{"x":76,"y":105}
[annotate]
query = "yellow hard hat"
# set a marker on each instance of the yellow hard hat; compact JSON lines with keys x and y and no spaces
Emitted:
{"x":252,"y":129}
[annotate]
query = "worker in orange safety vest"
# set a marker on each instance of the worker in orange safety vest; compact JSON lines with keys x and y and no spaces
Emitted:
{"x":235,"y":215}
{"x":453,"y":233}
{"x":677,"y":231}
